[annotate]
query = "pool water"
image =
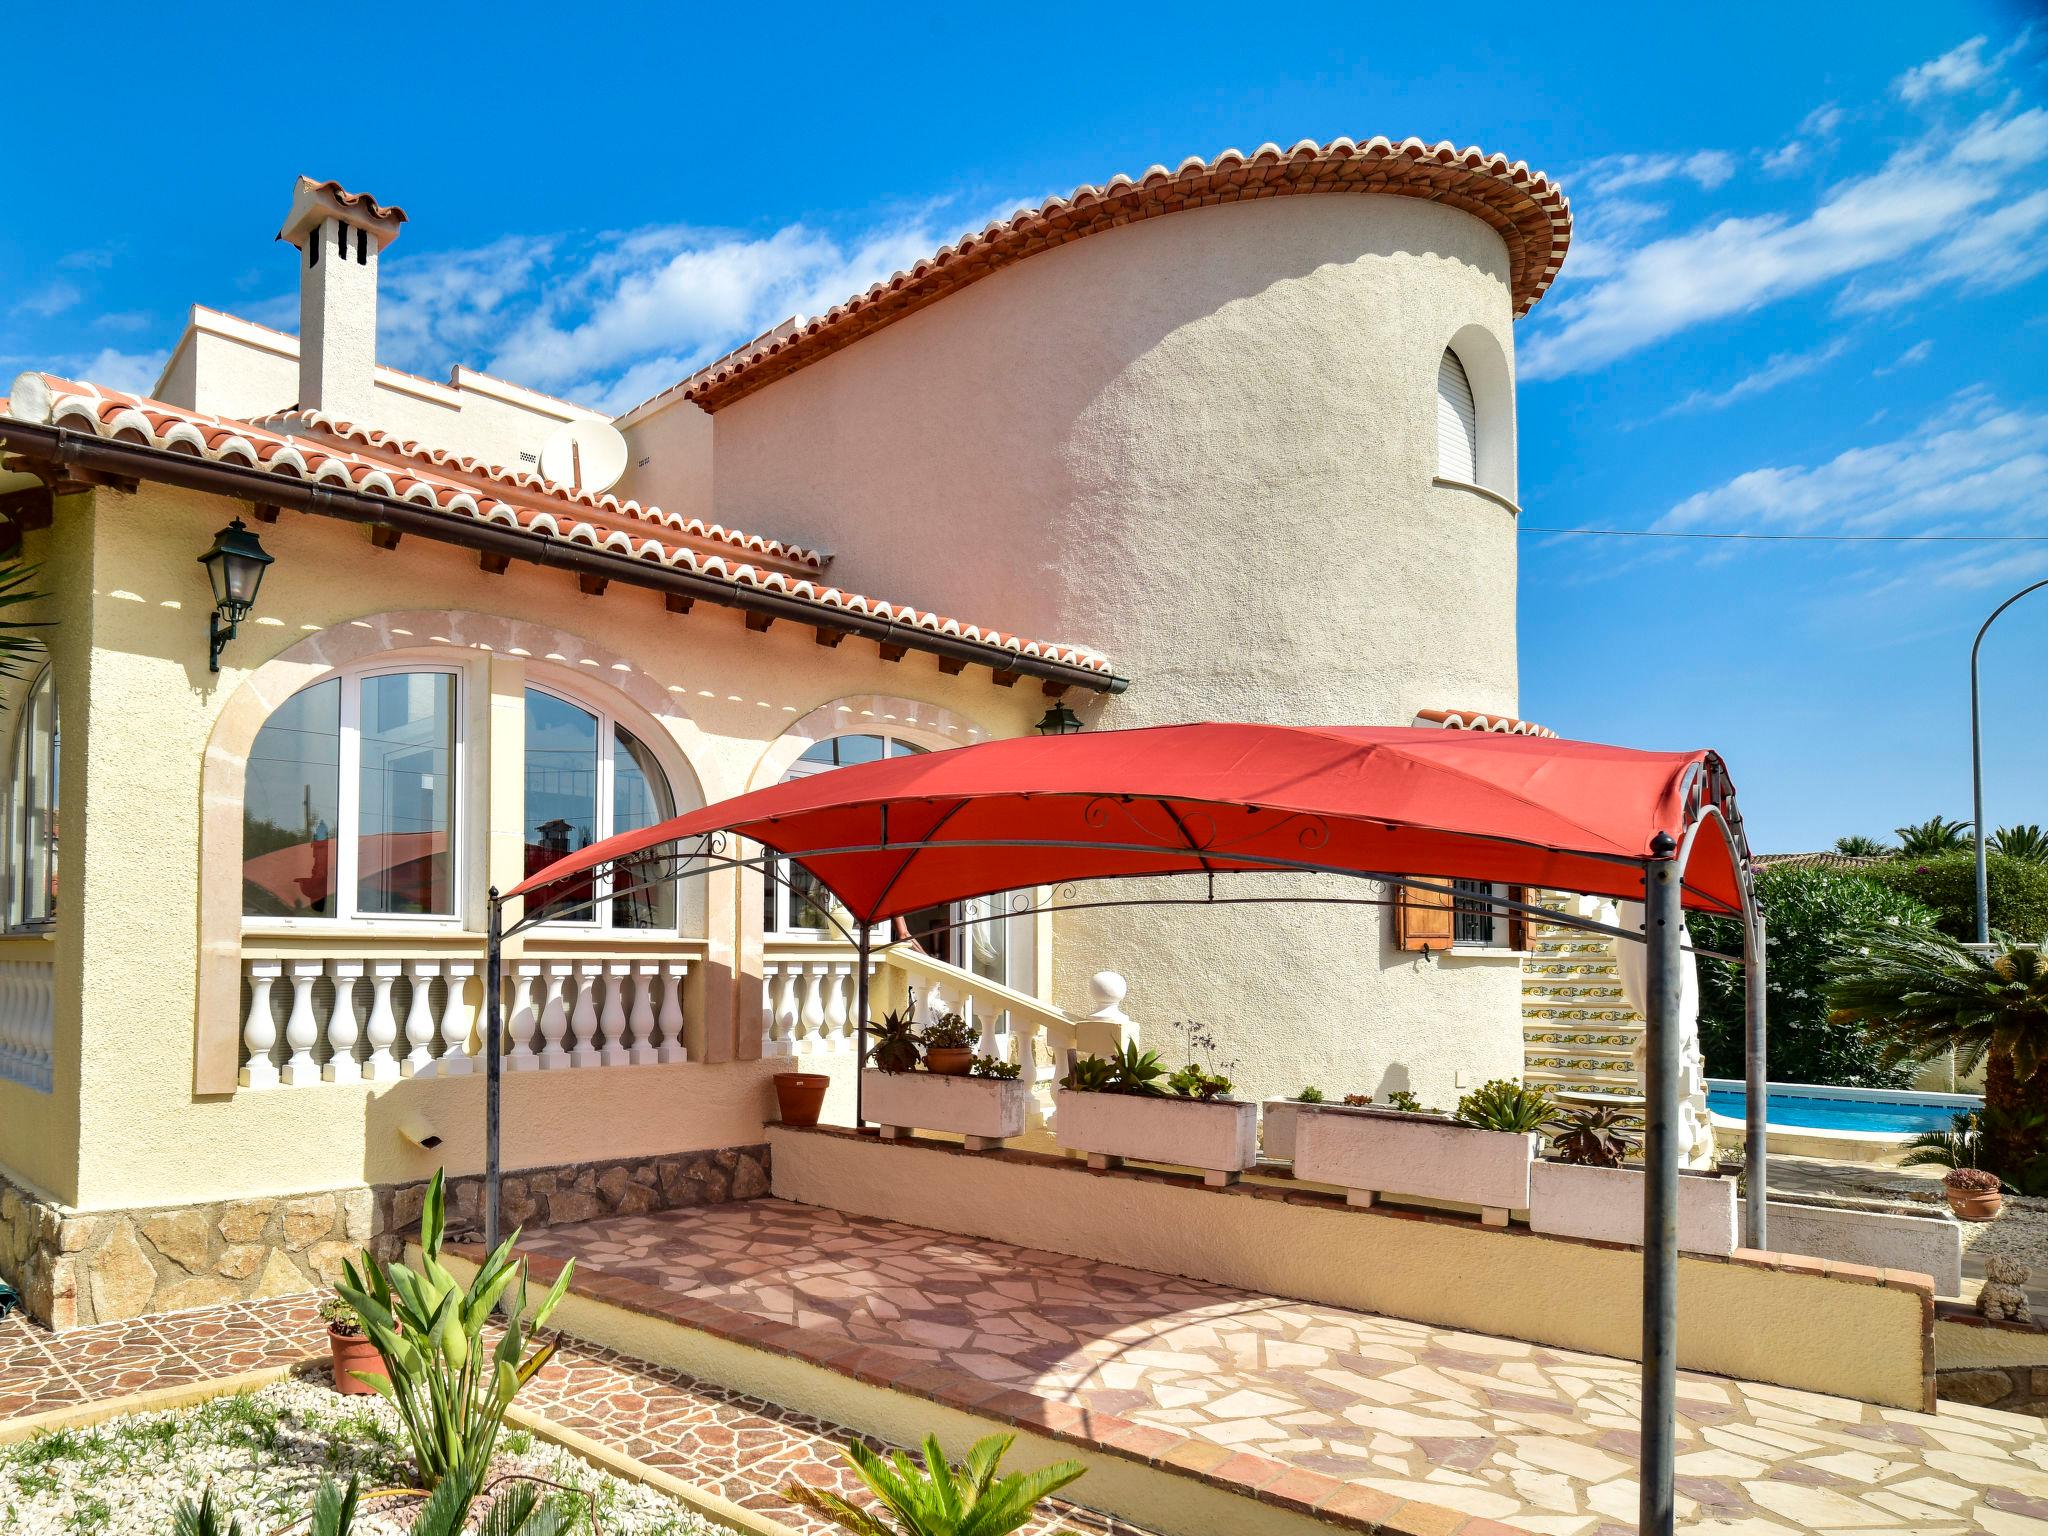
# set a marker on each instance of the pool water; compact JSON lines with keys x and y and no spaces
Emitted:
{"x":1901,"y":1116}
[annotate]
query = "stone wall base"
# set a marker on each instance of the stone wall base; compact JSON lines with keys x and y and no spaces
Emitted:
{"x":75,"y":1269}
{"x":2015,"y":1388}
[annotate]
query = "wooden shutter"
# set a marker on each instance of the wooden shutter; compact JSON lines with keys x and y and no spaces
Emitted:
{"x":1457,"y":422}
{"x":1518,"y":922}
{"x":1422,"y":919}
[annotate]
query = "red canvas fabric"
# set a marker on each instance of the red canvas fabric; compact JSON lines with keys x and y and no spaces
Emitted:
{"x":1188,"y":799}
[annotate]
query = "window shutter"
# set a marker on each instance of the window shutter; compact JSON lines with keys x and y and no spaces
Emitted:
{"x":1518,"y":922}
{"x":1457,"y":422}
{"x":1422,"y":919}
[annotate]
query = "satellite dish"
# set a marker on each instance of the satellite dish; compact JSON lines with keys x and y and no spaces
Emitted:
{"x":584,"y":456}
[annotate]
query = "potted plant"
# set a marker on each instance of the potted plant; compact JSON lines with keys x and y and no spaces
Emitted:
{"x":348,"y":1348}
{"x":1585,"y":1189}
{"x":1127,"y":1105}
{"x":984,"y":1106}
{"x":949,"y":1046}
{"x":800,"y":1096}
{"x":892,"y":1042}
{"x":1479,"y":1157}
{"x":1973,"y":1193}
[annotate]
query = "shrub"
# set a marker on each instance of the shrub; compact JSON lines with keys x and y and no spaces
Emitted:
{"x":1193,"y":1082}
{"x":450,"y":1393}
{"x":1971,"y":1179}
{"x":1309,"y":1095}
{"x":1809,"y":916}
{"x":938,"y":1498}
{"x":341,"y":1317}
{"x":995,"y":1066}
{"x":1947,"y":883}
{"x":948,"y":1032}
{"x":1505,"y":1105}
{"x":892,"y":1042}
{"x":1400,"y":1099}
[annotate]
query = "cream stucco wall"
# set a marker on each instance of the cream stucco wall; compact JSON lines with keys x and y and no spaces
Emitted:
{"x":668,"y":461}
{"x":1205,"y":443}
{"x":142,"y":713}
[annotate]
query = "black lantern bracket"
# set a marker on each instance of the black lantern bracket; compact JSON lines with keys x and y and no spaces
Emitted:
{"x":235,"y":566}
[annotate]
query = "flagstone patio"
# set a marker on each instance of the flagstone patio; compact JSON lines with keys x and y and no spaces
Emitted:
{"x":1539,"y":1438}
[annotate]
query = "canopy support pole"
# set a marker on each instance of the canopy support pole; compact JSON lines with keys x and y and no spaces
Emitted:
{"x":1756,"y":1092}
{"x":494,"y":1061}
{"x":1662,"y":893}
{"x":863,"y":948}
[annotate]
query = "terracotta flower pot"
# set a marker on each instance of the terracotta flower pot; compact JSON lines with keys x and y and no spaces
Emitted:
{"x":351,"y":1352}
{"x":800,"y":1096}
{"x":949,"y":1060}
{"x":1974,"y":1204}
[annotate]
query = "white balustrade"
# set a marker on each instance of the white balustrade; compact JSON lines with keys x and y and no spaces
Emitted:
{"x":351,"y":1020}
{"x":28,"y":1001}
{"x":809,"y":1003}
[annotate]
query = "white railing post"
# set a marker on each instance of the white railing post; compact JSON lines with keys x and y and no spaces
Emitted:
{"x":616,"y":1053}
{"x":259,"y":1030}
{"x":583,"y":1017}
{"x":839,"y":1009}
{"x":673,"y":1047}
{"x":382,"y":1067}
{"x":342,"y":1028}
{"x":302,"y":1029}
{"x":43,"y":1026}
{"x":646,"y":1049}
{"x":421,"y":1030}
{"x":522,"y":1019}
{"x":455,"y":1060}
{"x":554,"y":1017}
{"x":813,"y":1016}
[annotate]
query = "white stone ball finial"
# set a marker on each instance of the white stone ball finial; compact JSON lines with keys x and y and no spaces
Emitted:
{"x":1108,"y":990}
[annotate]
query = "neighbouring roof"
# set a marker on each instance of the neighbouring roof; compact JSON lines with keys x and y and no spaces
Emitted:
{"x":324,"y":451}
{"x":1820,"y":860}
{"x":1528,"y":210}
{"x":1474,"y":720}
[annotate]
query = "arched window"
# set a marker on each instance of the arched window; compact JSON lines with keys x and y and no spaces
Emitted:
{"x":1457,"y":422}
{"x":589,"y":778}
{"x":32,"y":807}
{"x":966,"y":934}
{"x":349,"y":808}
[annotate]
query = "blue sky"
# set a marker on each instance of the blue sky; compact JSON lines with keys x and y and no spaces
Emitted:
{"x":1806,"y":294}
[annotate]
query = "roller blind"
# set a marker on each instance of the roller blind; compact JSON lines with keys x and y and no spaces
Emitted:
{"x":1457,"y":422}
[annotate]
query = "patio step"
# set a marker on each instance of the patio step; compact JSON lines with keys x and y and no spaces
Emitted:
{"x":1169,"y":1484}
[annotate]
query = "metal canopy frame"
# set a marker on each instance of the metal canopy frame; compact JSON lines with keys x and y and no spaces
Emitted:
{"x":1663,"y":875}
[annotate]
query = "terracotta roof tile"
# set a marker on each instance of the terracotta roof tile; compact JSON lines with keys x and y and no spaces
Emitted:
{"x":1475,"y":720}
{"x":535,"y":508}
{"x":1528,"y":210}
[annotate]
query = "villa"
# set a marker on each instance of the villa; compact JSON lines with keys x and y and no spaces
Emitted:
{"x":335,"y":651}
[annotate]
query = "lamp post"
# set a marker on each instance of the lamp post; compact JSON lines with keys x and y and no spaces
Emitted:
{"x":1977,"y":766}
{"x":235,"y":566}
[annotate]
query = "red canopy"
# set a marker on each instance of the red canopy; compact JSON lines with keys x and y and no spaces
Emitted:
{"x":919,"y":831}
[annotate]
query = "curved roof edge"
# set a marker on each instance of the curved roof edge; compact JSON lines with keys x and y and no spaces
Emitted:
{"x":1526,"y":208}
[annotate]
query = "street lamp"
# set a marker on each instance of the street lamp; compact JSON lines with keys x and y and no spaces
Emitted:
{"x":1977,"y":767}
{"x":1058,"y":721}
{"x":235,"y":566}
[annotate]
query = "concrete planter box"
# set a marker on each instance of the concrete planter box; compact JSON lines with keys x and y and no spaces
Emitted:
{"x":1606,"y":1205}
{"x":1929,"y":1245}
{"x":987,"y":1111}
{"x":1220,"y":1137}
{"x":1369,"y":1153}
{"x":1277,"y":1121}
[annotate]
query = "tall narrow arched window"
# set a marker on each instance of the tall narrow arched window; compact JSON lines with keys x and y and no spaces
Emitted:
{"x":1457,"y":422}
{"x":32,"y":807}
{"x":589,"y":778}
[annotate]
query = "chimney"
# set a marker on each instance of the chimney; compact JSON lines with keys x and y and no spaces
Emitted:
{"x":339,"y":235}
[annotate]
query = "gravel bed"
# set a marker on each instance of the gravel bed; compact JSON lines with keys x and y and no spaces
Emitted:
{"x":264,"y":1453}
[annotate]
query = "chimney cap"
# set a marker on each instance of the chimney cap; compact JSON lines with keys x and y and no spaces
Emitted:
{"x":316,"y":201}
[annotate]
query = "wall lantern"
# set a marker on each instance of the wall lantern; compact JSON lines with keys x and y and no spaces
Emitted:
{"x":1059,"y":721}
{"x":235,"y":567}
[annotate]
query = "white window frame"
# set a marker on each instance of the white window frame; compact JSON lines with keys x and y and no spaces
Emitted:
{"x":17,"y":835}
{"x":349,"y":811}
{"x":599,"y":918}
{"x":1498,"y":916}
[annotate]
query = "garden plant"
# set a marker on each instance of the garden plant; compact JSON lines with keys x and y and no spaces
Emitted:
{"x":938,"y":1498}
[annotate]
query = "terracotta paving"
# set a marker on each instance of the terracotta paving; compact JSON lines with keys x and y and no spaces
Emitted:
{"x":741,"y":1447}
{"x":1541,"y":1439}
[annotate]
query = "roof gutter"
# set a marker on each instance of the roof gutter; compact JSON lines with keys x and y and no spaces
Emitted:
{"x":63,"y":446}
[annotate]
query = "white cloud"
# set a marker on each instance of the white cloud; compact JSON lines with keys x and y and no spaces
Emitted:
{"x":135,"y":372}
{"x":1617,"y":173}
{"x":1975,"y":467}
{"x":1936,"y":212}
{"x":1823,"y":120}
{"x":1962,"y":68}
{"x":1779,"y":369}
{"x":1911,"y":357}
{"x":1786,"y":158}
{"x":52,"y":298}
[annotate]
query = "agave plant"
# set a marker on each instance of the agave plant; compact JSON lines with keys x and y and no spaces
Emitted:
{"x":938,"y":1498}
{"x":2026,"y":841}
{"x":1937,"y":834}
{"x":893,"y":1045}
{"x":1137,"y":1072}
{"x":450,"y":1393}
{"x":518,"y":1511}
{"x":1505,"y":1105}
{"x":1595,"y":1135}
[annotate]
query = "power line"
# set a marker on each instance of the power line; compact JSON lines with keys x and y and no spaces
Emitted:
{"x":1804,"y":538}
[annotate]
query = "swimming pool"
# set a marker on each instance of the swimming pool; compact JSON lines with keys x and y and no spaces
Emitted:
{"x":1856,"y":1111}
